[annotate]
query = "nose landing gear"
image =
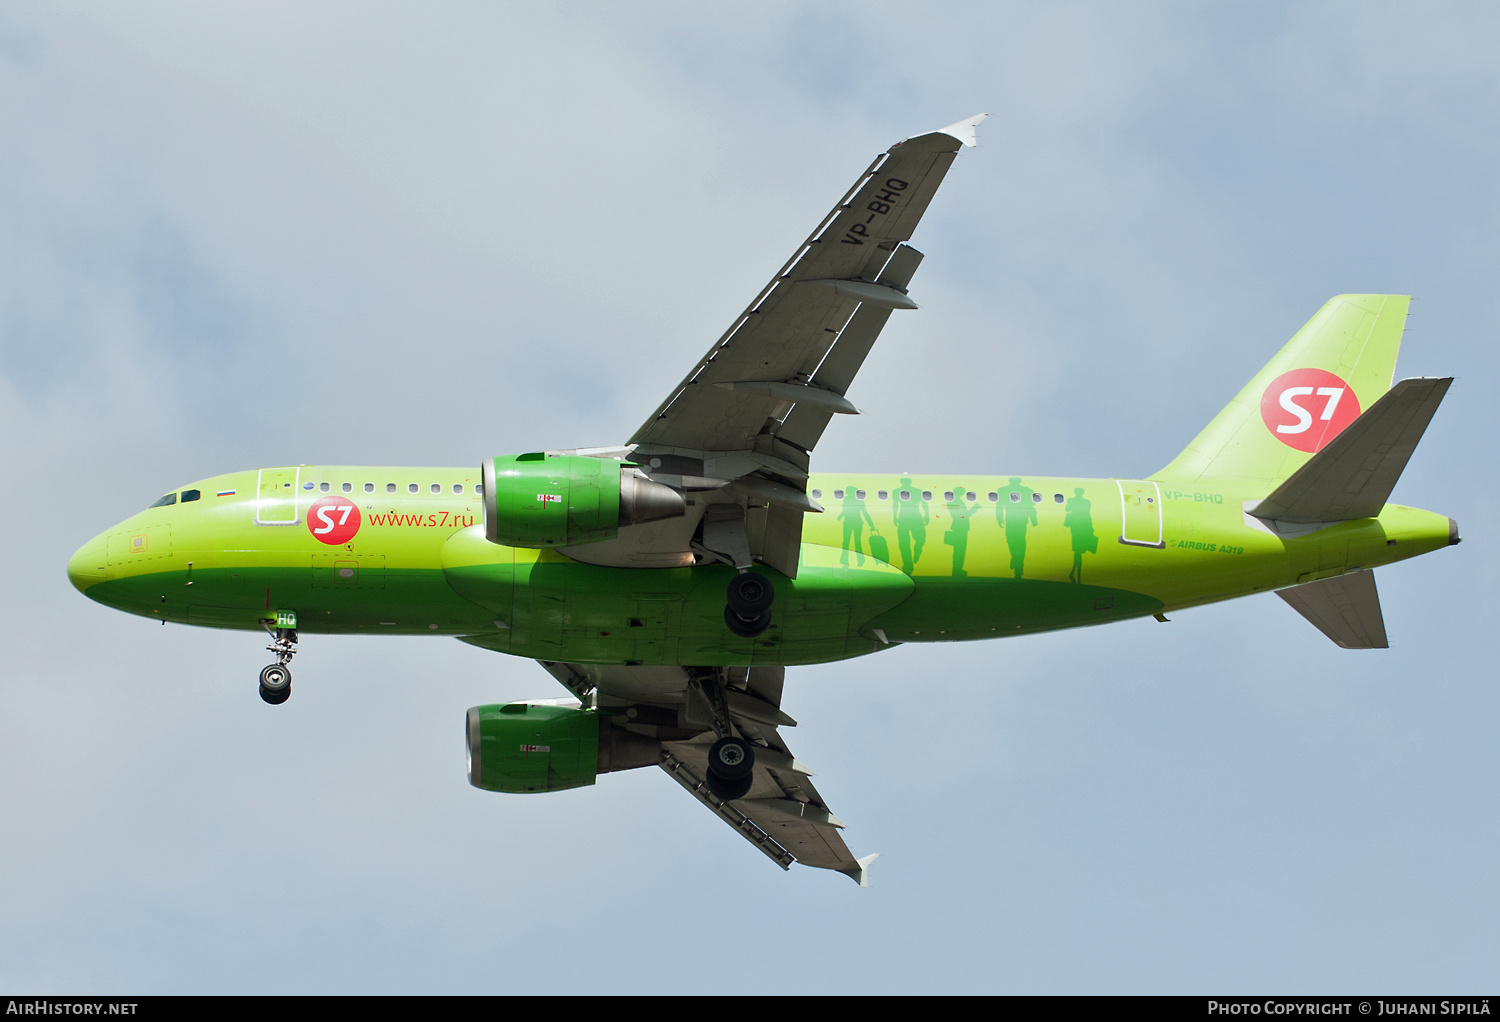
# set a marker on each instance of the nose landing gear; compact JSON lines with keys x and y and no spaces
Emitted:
{"x":276,"y":679}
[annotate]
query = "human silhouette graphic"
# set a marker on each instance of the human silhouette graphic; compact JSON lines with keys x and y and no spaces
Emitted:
{"x":854,"y":517}
{"x":1078,"y":518}
{"x":1015,"y":512}
{"x":911,"y":518}
{"x":957,"y":535}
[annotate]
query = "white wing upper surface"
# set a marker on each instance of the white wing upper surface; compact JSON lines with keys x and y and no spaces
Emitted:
{"x":785,"y":334}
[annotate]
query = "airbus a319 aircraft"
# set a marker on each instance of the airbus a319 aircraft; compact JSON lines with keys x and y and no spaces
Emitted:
{"x":668,"y":583}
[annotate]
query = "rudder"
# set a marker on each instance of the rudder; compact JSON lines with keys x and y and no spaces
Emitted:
{"x":1301,"y":399}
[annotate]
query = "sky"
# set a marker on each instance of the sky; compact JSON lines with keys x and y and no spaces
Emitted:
{"x":262,"y":234}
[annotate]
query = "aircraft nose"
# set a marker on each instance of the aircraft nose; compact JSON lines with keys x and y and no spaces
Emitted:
{"x":87,"y":566}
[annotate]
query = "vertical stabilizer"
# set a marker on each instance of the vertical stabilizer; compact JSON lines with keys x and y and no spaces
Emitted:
{"x":1340,"y":363}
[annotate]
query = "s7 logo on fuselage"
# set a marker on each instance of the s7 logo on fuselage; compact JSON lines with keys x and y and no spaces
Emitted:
{"x":1306,"y":408}
{"x":333,"y":520}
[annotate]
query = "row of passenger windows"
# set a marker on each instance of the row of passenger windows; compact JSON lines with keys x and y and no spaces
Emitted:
{"x":1014,"y":496}
{"x":190,"y":495}
{"x":390,"y":487}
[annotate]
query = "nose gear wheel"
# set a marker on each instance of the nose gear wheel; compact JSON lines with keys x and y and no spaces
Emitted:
{"x":276,"y":679}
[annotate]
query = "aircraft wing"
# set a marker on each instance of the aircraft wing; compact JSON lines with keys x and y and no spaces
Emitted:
{"x":740,"y":425}
{"x":660,"y":706}
{"x":767,"y":363}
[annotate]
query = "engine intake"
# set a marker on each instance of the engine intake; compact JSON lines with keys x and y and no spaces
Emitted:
{"x":533,"y":500}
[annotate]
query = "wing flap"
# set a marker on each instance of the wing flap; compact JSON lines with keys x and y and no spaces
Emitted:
{"x":805,"y":424}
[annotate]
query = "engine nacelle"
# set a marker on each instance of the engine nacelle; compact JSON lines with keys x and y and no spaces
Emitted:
{"x":532,"y":500}
{"x":525,"y":747}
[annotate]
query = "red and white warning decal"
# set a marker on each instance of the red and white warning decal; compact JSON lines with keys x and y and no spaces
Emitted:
{"x":1306,"y":408}
{"x":333,"y":520}
{"x":549,"y":498}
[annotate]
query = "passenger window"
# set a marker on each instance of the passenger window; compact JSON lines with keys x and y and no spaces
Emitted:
{"x":166,"y":501}
{"x":971,"y":496}
{"x":437,"y":487}
{"x":1036,"y":498}
{"x":1057,"y":498}
{"x":321,"y":486}
{"x":458,"y":487}
{"x":479,"y":488}
{"x":1015,"y":498}
{"x":926,"y":494}
{"x":948,"y":496}
{"x":347,"y":487}
{"x":308,"y":486}
{"x":411,"y":488}
{"x":859,"y":494}
{"x":817,"y":494}
{"x":838,"y":494}
{"x":882,"y":494}
{"x":906,"y":495}
{"x":992,"y":497}
{"x":369,"y":487}
{"x":188,"y":495}
{"x":390,"y":487}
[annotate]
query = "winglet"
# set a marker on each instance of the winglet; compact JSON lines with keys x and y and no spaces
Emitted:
{"x":860,"y":871}
{"x":965,"y":130}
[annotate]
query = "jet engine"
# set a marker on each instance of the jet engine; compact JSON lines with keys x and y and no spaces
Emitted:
{"x":525,"y":747}
{"x":533,"y":500}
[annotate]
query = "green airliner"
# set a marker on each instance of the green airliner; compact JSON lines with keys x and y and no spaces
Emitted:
{"x":668,"y":583}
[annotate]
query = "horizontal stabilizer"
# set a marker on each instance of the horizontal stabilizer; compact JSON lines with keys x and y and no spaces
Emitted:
{"x":1353,"y":476}
{"x":1345,"y":608}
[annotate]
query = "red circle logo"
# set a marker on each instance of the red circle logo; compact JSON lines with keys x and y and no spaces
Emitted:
{"x":1306,"y":408}
{"x":333,"y":520}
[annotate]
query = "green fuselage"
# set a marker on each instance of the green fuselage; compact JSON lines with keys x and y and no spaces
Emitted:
{"x":961,"y":558}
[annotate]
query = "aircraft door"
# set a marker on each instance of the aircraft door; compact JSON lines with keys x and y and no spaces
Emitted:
{"x":1140,"y":514}
{"x":277,"y":494}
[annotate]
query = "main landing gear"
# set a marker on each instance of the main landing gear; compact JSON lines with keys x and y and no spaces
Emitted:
{"x":276,"y":679}
{"x":731,"y":767}
{"x":731,"y":759}
{"x":749,"y":604}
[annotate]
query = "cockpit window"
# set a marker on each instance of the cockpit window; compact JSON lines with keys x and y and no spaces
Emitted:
{"x":188,"y":495}
{"x":170,"y":498}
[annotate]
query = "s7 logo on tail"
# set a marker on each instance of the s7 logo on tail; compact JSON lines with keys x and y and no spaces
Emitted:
{"x":1306,"y":408}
